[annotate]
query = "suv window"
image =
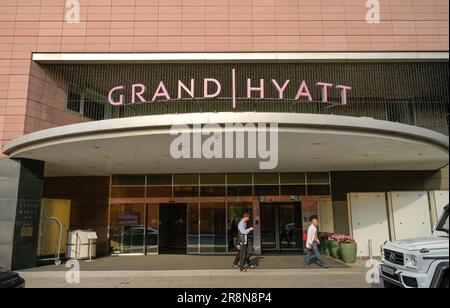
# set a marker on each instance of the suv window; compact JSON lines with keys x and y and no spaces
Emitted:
{"x":443,"y":223}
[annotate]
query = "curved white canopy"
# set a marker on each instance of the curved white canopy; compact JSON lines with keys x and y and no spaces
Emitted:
{"x":307,"y":142}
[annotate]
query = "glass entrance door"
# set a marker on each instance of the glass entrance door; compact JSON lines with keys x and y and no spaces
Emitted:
{"x":290,"y":231}
{"x":172,"y":228}
{"x":281,"y":227}
{"x":127,"y":228}
{"x":269,"y":227}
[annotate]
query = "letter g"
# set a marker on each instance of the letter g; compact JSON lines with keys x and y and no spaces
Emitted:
{"x":110,"y":98}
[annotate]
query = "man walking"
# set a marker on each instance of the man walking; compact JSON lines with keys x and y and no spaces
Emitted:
{"x":243,"y":232}
{"x":311,"y":245}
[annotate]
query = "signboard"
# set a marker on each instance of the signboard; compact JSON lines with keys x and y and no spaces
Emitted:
{"x":212,"y":88}
{"x":129,"y":218}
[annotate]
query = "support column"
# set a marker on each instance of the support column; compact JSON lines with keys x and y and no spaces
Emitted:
{"x":20,"y":202}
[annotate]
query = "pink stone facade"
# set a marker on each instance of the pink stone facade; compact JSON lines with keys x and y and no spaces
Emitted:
{"x":28,"y":26}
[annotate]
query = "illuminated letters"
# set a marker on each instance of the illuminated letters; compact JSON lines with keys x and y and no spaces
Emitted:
{"x":303,"y":91}
{"x":251,"y":89}
{"x":161,"y":92}
{"x":280,"y":89}
{"x":110,"y":96}
{"x":205,"y":88}
{"x":189,"y":91}
{"x":212,"y":88}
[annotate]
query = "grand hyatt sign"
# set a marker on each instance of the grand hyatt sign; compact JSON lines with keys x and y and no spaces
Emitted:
{"x":212,"y":88}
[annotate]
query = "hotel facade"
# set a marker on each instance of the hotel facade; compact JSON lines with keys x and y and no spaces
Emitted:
{"x":91,"y":90}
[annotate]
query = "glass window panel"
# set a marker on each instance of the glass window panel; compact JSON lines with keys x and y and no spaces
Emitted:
{"x":185,"y":179}
{"x":152,"y":228}
{"x":212,"y":179}
{"x":186,"y":191}
{"x":319,"y":190}
{"x":73,"y":101}
{"x":128,"y":179}
{"x":235,"y":212}
{"x":206,"y":228}
{"x":240,"y":191}
{"x":239,"y":178}
{"x":292,"y":178}
{"x":266,"y":190}
{"x":94,"y":110}
{"x":212,"y":228}
{"x":220,"y":228}
{"x":173,"y":227}
{"x":266,"y":178}
{"x":293,"y":190}
{"x":310,"y":210}
{"x":159,"y":179}
{"x":290,"y":226}
{"x":159,"y":191}
{"x":213,"y":191}
{"x":193,"y":225}
{"x":128,"y":192}
{"x":318,"y":177}
{"x":126,"y":231}
{"x":268,"y":227}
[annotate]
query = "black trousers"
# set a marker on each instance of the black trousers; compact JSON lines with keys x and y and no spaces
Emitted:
{"x":245,"y":256}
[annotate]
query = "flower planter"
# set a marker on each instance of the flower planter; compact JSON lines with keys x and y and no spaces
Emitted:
{"x":348,"y":252}
{"x":326,"y":247}
{"x":334,"y":249}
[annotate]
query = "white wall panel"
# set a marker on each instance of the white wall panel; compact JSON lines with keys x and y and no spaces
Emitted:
{"x":326,"y":215}
{"x":410,"y":214}
{"x":369,"y":220}
{"x":438,"y":200}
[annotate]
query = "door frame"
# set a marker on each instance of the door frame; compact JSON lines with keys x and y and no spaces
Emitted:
{"x":299,"y":219}
{"x":159,"y":223}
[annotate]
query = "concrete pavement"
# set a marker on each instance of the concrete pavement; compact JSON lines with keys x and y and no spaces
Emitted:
{"x":203,"y":279}
{"x":295,"y":277}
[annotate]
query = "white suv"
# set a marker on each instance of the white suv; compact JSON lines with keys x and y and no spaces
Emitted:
{"x":418,"y":262}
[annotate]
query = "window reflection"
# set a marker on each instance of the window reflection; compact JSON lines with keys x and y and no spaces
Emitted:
{"x":235,"y":212}
{"x":128,"y":191}
{"x":152,"y":228}
{"x":127,"y":229}
{"x":193,"y":228}
{"x":212,"y":227}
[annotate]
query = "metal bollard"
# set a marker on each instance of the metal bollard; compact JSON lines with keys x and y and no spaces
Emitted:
{"x":370,"y":250}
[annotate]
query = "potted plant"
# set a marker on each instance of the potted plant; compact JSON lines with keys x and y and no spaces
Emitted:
{"x":324,"y":238}
{"x":334,"y":245}
{"x":348,"y":249}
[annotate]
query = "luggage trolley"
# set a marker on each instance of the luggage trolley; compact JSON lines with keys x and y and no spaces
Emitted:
{"x":56,"y":258}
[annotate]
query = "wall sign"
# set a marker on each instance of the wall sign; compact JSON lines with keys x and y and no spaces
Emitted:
{"x":212,"y":88}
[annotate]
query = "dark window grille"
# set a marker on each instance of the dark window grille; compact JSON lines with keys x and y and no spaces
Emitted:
{"x":409,"y":93}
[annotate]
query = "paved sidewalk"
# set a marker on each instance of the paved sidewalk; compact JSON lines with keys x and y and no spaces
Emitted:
{"x":188,"y":262}
{"x":264,"y":277}
{"x":202,"y":279}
